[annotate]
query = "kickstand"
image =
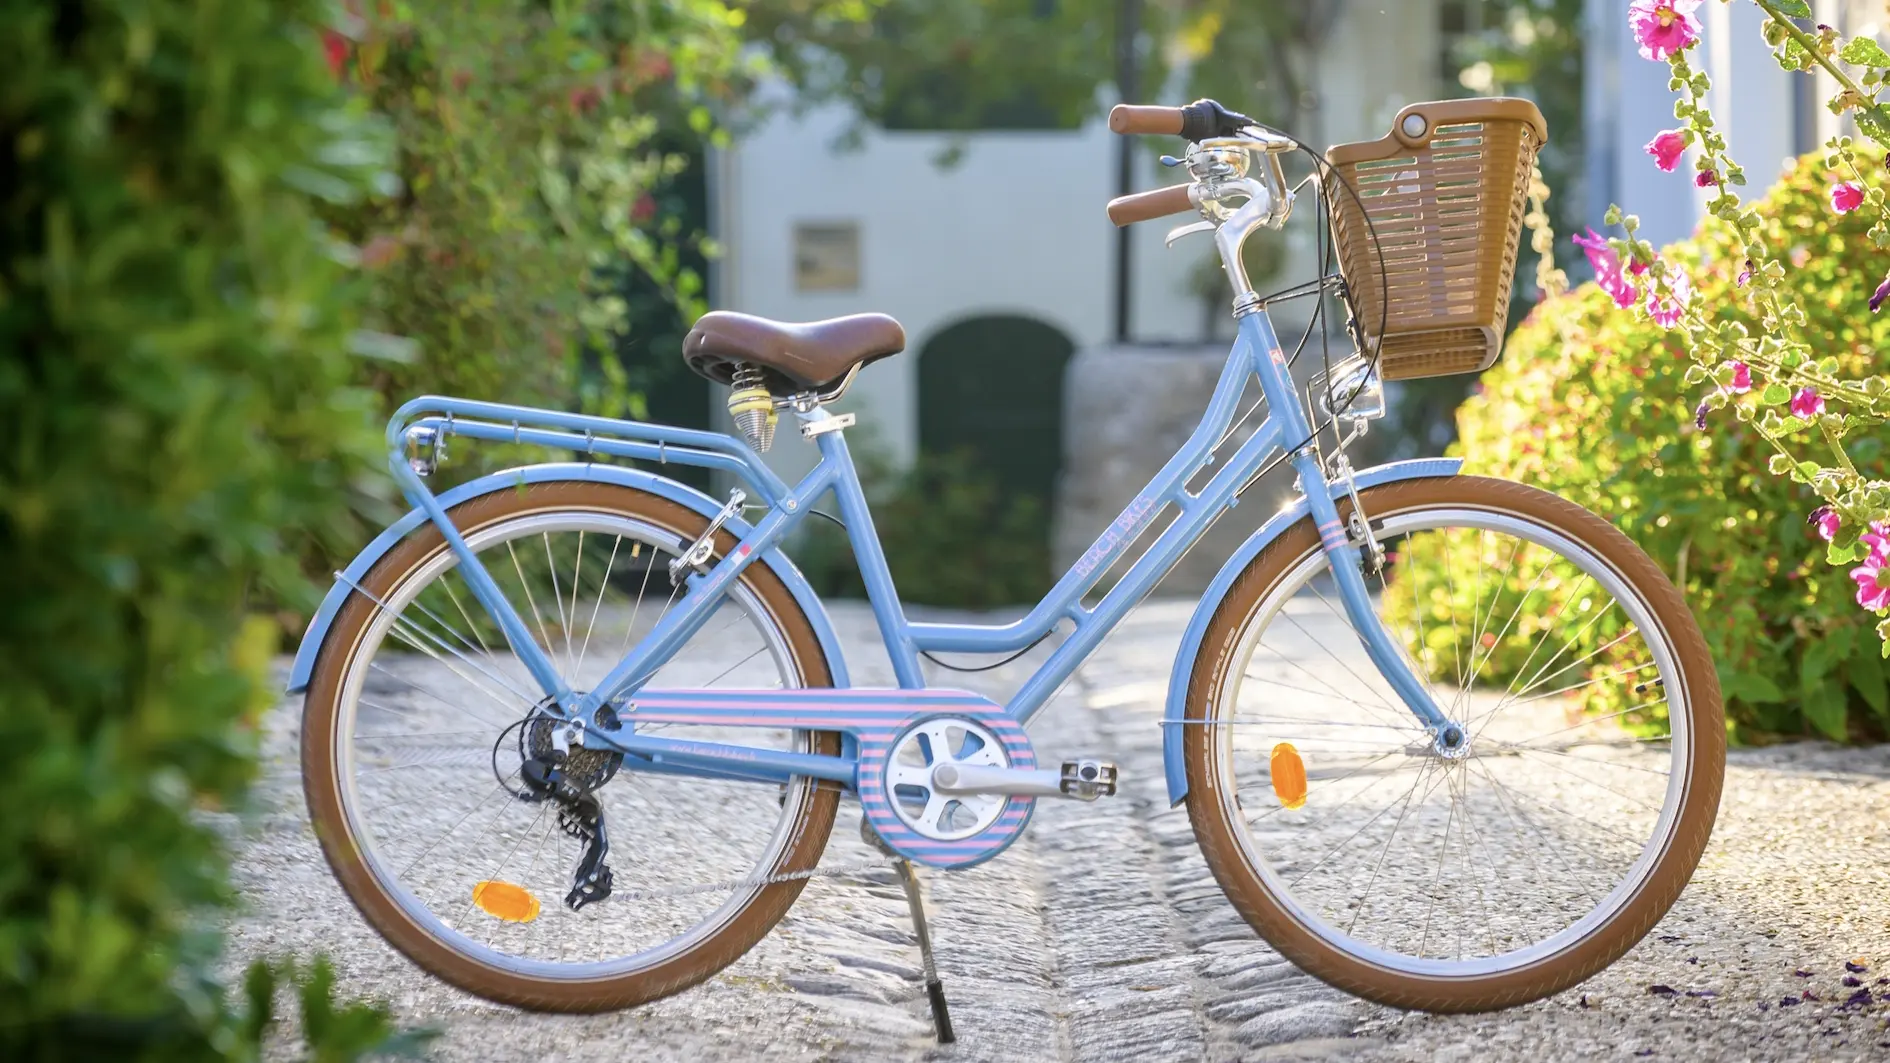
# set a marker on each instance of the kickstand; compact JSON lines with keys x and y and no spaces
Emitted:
{"x":934,"y":989}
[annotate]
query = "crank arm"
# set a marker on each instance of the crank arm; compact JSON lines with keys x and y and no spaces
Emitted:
{"x":1085,"y":779}
{"x":983,"y":779}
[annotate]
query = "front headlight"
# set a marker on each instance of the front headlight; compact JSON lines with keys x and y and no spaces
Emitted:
{"x":1352,"y":390}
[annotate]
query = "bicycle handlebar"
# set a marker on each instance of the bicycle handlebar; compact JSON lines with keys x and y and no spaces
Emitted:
{"x":1216,"y":136}
{"x":1198,"y":121}
{"x":1128,"y":118}
{"x":1146,"y":206}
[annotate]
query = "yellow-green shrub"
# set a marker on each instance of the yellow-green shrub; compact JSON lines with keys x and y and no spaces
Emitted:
{"x":1588,"y":401}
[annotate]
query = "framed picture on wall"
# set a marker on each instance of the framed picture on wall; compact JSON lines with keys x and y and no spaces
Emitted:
{"x":827,"y":257}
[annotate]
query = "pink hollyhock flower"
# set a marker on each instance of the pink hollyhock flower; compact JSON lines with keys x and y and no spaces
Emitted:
{"x":1877,"y":297}
{"x":1741,"y":379}
{"x":1667,"y":149}
{"x":1706,"y":178}
{"x":1807,"y":403}
{"x":1826,"y":520}
{"x":1664,"y":27}
{"x":1878,"y":539}
{"x":335,"y":50}
{"x":1847,"y":197}
{"x":1667,"y":312}
{"x":1873,"y":585}
{"x":1607,"y":266}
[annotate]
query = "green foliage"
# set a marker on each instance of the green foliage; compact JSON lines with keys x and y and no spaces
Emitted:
{"x":332,"y":1031}
{"x":1034,"y":64}
{"x":529,"y":152}
{"x":952,"y":536}
{"x":918,"y":64}
{"x":1593,"y":403}
{"x":176,"y":416}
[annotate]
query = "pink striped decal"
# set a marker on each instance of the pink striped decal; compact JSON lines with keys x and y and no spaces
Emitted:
{"x":875,"y":718}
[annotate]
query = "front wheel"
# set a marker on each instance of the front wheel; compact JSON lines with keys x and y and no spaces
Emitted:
{"x":1398,"y":868}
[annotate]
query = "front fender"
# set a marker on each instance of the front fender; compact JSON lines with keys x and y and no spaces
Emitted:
{"x":511,"y":479}
{"x":1172,"y":716}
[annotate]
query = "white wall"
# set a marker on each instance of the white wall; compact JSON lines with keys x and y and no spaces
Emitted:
{"x":1627,"y":102}
{"x":1015,"y":226}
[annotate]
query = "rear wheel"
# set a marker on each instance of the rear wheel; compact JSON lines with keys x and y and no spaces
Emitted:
{"x":420,"y":720}
{"x":1379,"y":858}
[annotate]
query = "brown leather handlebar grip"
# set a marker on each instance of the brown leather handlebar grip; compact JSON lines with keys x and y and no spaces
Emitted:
{"x":1156,"y":203}
{"x":1128,"y":118}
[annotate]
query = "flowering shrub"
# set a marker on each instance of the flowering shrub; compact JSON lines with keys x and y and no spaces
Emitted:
{"x":1758,"y":359}
{"x":178,"y":414}
{"x":529,"y":153}
{"x":1594,"y":404}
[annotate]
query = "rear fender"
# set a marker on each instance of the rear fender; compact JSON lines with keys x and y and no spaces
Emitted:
{"x":512,"y":479}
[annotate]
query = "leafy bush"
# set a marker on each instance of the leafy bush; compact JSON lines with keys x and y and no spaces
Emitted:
{"x":1589,"y":402}
{"x":952,"y":536}
{"x":539,"y":146}
{"x":175,"y":410}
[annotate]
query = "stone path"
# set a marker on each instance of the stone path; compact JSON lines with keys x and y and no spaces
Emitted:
{"x":1102,"y":936}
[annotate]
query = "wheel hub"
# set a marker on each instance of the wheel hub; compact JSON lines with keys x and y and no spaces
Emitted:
{"x":1451,"y":741}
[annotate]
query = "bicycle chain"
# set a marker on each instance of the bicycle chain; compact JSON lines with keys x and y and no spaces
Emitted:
{"x":741,"y":883}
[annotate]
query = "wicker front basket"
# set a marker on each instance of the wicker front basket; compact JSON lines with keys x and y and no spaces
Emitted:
{"x":1445,"y":193}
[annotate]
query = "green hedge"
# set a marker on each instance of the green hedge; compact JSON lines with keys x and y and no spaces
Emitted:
{"x":1588,"y":402}
{"x":174,"y":413}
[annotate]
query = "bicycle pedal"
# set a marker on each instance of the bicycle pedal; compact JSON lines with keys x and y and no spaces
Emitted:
{"x":1086,"y":780}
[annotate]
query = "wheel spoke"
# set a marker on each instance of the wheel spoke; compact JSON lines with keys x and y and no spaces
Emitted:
{"x":421,"y":784}
{"x":1487,"y":855}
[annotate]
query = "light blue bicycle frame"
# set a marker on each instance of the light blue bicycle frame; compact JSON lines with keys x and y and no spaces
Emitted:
{"x":1256,"y":352}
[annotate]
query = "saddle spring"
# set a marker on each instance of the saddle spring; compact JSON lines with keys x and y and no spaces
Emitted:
{"x":751,"y":404}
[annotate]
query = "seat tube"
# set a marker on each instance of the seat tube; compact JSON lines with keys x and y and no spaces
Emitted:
{"x":871,"y":558}
{"x":1347,"y":570}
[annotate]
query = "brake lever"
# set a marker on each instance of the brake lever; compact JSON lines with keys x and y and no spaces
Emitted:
{"x":1190,"y":229}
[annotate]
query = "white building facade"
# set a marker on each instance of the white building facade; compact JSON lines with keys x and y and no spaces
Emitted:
{"x":1012,"y":234}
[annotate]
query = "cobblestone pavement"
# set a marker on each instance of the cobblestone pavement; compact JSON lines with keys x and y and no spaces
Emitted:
{"x":1101,"y":935}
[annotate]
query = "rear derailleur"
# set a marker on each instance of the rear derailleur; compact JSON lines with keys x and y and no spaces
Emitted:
{"x":579,"y":815}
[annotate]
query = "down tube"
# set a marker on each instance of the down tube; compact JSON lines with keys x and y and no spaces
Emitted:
{"x":1197,"y":512}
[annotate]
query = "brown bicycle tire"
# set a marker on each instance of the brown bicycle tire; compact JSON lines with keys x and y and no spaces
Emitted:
{"x":1207,"y":810}
{"x":322,"y":786}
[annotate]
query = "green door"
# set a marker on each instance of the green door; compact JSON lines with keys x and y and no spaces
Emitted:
{"x":993,"y":386}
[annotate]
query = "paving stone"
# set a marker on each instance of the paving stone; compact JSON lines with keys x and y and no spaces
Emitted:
{"x":1101,"y":935}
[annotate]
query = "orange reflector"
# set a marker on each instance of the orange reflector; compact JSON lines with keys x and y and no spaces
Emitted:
{"x":503,"y":900}
{"x":1289,"y":776}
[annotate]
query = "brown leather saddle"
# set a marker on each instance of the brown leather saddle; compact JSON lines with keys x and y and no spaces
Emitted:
{"x":793,"y":358}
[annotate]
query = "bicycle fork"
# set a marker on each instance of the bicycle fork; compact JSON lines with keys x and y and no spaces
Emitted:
{"x":1348,"y":564}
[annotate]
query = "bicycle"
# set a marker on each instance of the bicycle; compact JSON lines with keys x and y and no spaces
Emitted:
{"x":1365,"y":797}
